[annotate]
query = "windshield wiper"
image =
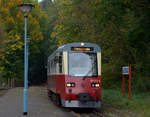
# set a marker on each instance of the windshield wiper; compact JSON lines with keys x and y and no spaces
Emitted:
{"x":88,"y":73}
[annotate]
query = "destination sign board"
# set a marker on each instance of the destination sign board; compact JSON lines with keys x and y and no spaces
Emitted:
{"x":125,"y":70}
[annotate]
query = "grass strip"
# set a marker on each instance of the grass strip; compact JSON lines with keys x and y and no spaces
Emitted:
{"x":140,"y":103}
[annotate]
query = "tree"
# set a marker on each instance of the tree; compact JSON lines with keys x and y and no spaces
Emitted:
{"x":119,"y":26}
{"x":13,"y":20}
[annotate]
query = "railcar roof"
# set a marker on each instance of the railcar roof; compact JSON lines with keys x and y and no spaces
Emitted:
{"x":68,"y":46}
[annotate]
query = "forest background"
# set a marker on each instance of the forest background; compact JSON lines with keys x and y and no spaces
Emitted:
{"x":120,"y":27}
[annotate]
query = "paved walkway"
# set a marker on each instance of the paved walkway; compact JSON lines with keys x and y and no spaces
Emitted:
{"x":38,"y":104}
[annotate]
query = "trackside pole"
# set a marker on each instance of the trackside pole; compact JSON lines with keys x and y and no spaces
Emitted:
{"x":25,"y":71}
{"x":25,"y":8}
{"x":130,"y":82}
{"x":123,"y":87}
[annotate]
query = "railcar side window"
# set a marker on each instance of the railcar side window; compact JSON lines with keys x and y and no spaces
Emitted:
{"x":52,"y":67}
{"x":60,"y":62}
{"x":48,"y":67}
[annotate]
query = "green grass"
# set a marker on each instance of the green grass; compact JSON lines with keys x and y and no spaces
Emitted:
{"x":139,"y":104}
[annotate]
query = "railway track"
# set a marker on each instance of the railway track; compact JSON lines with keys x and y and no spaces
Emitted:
{"x":99,"y":114}
{"x":84,"y":112}
{"x":76,"y":111}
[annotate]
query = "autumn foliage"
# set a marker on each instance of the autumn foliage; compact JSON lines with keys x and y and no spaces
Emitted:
{"x":120,"y":27}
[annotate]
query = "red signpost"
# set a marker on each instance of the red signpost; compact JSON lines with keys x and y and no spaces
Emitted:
{"x":129,"y":82}
{"x":126,"y":70}
{"x":123,"y":88}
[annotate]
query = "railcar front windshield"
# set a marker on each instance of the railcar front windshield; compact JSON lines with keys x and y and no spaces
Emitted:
{"x":83,"y":64}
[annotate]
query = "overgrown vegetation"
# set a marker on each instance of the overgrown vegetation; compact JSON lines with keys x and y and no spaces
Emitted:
{"x":120,"y":27}
{"x":140,"y":103}
{"x":12,"y":42}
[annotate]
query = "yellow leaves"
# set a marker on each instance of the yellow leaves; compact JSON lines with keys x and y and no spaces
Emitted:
{"x":16,"y":43}
{"x":36,"y":36}
{"x":123,"y":30}
{"x":60,"y":43}
{"x":76,"y":29}
{"x":12,"y":47}
{"x":15,"y":46}
{"x":65,"y":3}
{"x":2,"y":50}
{"x":11,"y":4}
{"x":33,"y":23}
{"x":1,"y":68}
{"x":17,"y":37}
{"x":4,"y":12}
{"x":7,"y":52}
{"x":4,"y":59}
{"x":19,"y":1}
{"x":20,"y":45}
{"x":53,"y":35}
{"x":13,"y":21}
{"x":19,"y":15}
{"x":10,"y":20}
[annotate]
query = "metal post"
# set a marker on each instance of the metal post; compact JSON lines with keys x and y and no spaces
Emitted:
{"x":130,"y":82}
{"x":123,"y":86}
{"x":25,"y":70}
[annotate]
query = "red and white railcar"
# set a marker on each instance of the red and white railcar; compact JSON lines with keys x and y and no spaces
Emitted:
{"x":74,"y":75}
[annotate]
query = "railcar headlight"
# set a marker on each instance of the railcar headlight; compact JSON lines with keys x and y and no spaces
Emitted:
{"x":96,"y":85}
{"x":70,"y":84}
